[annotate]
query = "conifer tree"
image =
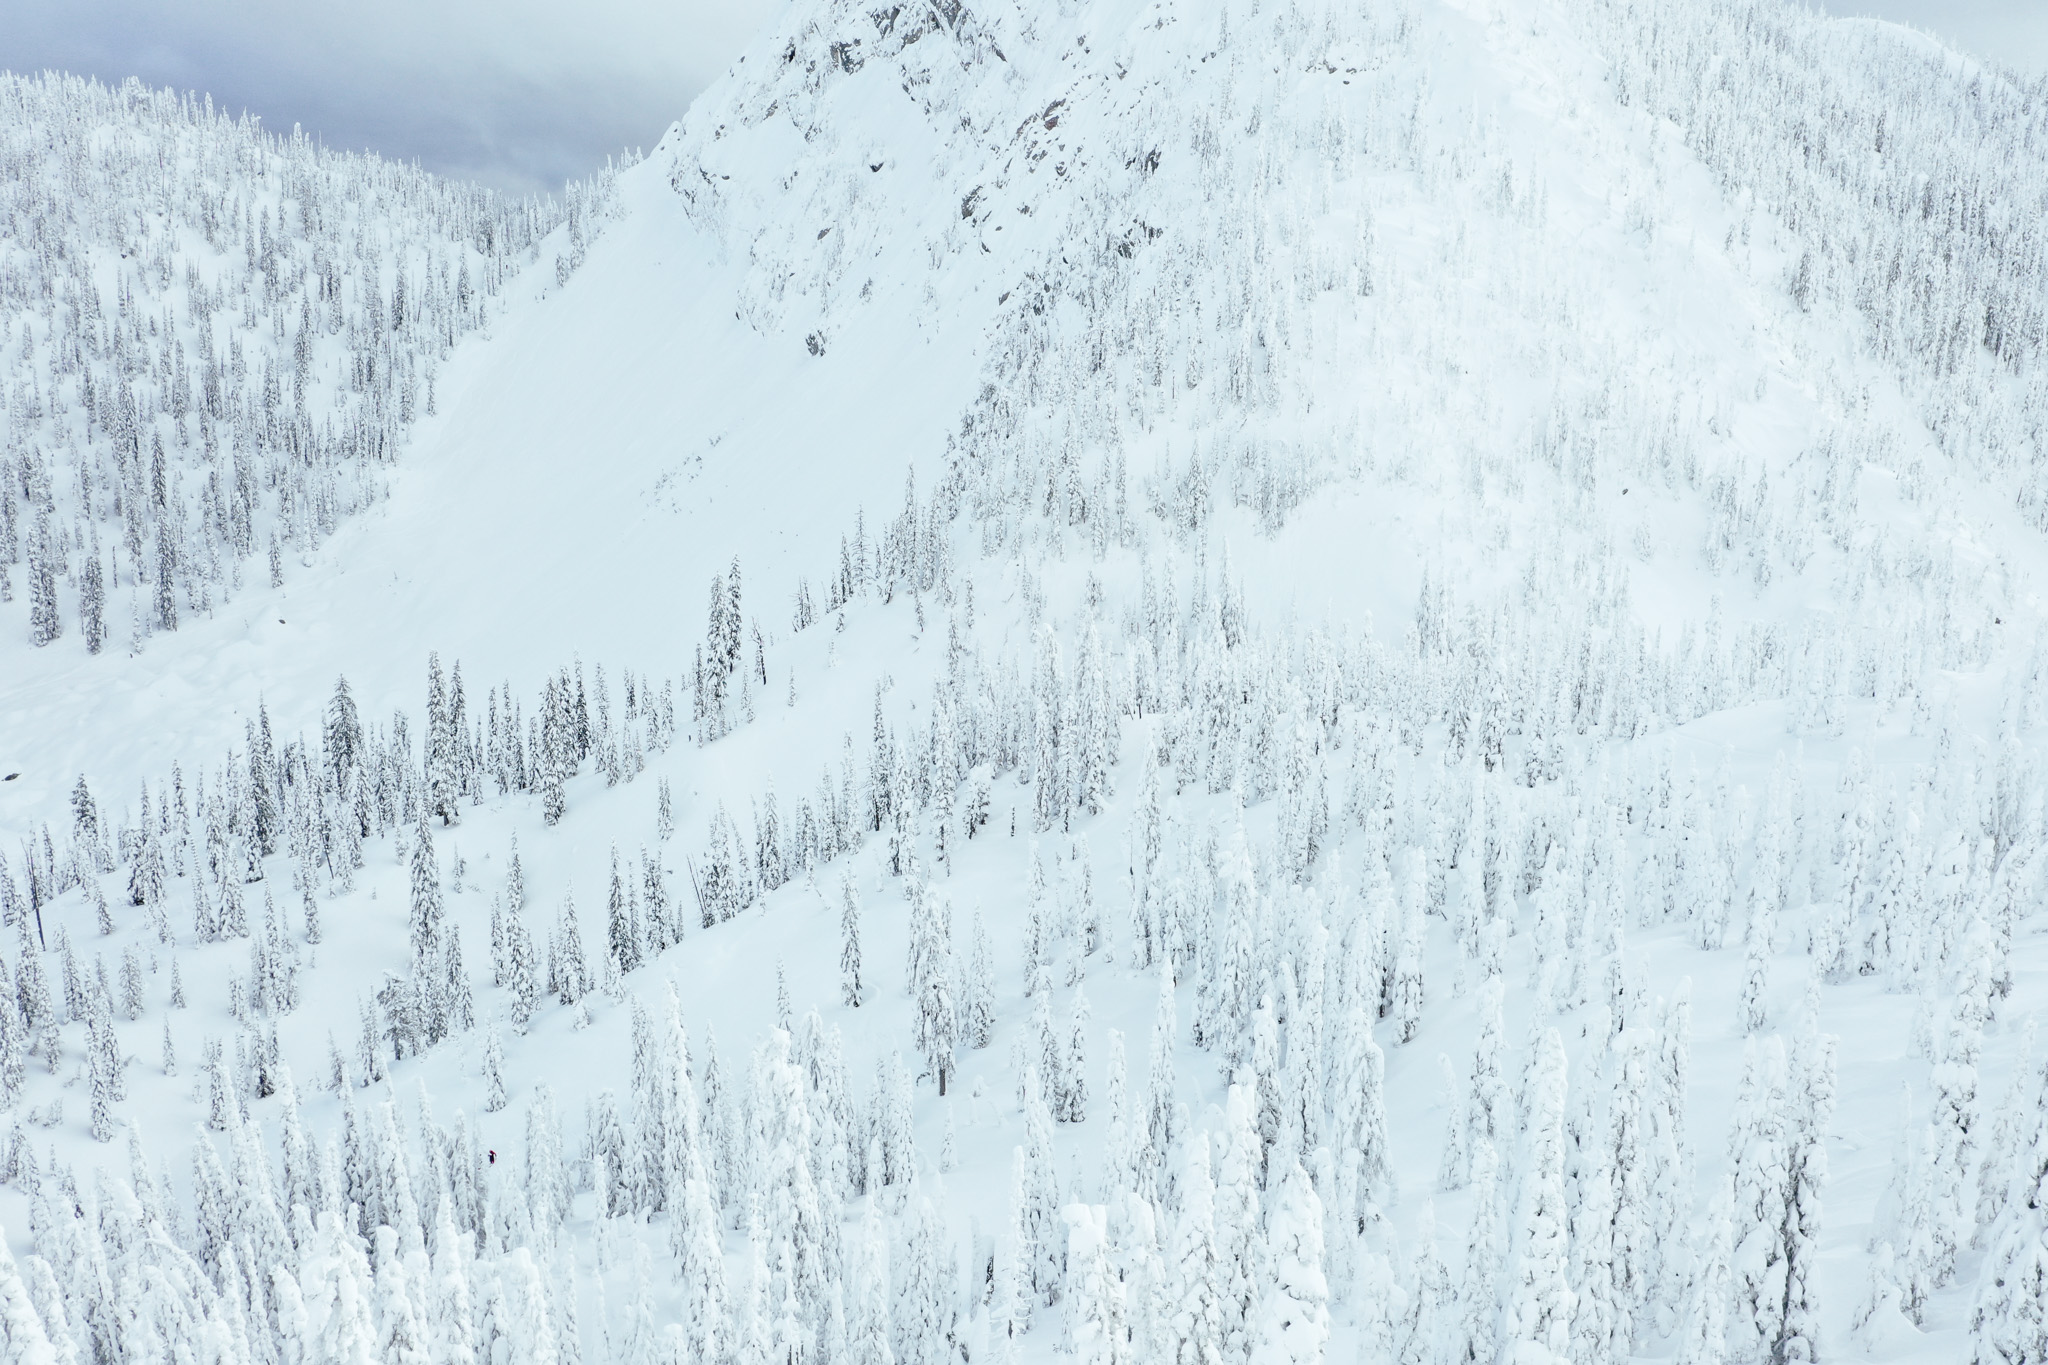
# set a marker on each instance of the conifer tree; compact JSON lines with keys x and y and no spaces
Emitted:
{"x":1705,"y":1340}
{"x":850,"y":991}
{"x":44,"y":624}
{"x":923,"y":1317}
{"x":1073,"y":1091}
{"x":1097,"y":1309}
{"x":1040,"y":1241}
{"x":622,"y":934}
{"x":1599,"y":1324}
{"x":92,"y":603}
{"x":981,"y":988}
{"x":935,"y":1026}
{"x":1240,"y":1234}
{"x":1196,"y":1315}
{"x":869,"y":1328}
{"x":522,"y":968}
{"x":1537,"y":1323}
{"x":1358,"y":1108}
{"x":1161,"y":1137}
{"x":1295,"y":1329}
{"x":1479,"y":1299}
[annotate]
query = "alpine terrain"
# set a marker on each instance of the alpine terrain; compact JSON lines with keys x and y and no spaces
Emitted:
{"x":1202,"y":682}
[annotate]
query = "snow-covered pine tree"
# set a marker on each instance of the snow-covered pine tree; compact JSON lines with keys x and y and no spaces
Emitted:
{"x":850,"y":989}
{"x":1195,"y":1321}
{"x":1240,"y":1231}
{"x":981,"y":988}
{"x":1537,"y":1321}
{"x":1295,"y":1326}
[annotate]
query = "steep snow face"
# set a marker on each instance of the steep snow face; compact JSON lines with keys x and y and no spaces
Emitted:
{"x":1382,"y":257}
{"x":1369,"y":516}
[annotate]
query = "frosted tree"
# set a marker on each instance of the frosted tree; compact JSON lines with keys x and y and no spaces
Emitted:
{"x":103,"y":1058}
{"x":426,"y":907}
{"x":2009,"y":1316}
{"x":1295,"y":1328}
{"x":1097,"y":1308}
{"x":1479,"y":1326}
{"x":515,"y":881}
{"x":981,"y":988}
{"x":923,"y":1310}
{"x":44,"y":624}
{"x":1408,"y":994}
{"x":1125,"y":1171}
{"x":1195,"y":1320}
{"x":1161,"y":1135}
{"x":1536,"y":1326}
{"x":1778,"y":1169}
{"x":522,"y":971}
{"x":1358,"y":1108}
{"x":1040,"y":1229}
{"x":1600,"y":1334}
{"x":867,"y":1276}
{"x":92,"y":603}
{"x":1705,"y":1339}
{"x":1812,"y":1102}
{"x":14,"y":1049}
{"x":2006,"y":1148}
{"x":451,"y":1327}
{"x":401,"y":1337}
{"x":1756,"y":963}
{"x":1240,"y":1233}
{"x":1488,"y":1115}
{"x":1072,"y":1096}
{"x":337,"y":1290}
{"x":443,"y":737}
{"x":850,"y":990}
{"x":622,"y":928}
{"x":701,"y":1267}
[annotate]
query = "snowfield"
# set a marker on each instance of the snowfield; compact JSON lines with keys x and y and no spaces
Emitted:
{"x":1371,"y":688}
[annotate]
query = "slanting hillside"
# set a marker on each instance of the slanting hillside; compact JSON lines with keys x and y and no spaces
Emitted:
{"x":1463,"y":579}
{"x":213,"y":341}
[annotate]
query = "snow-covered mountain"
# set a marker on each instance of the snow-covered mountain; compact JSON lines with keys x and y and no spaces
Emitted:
{"x":1463,"y":578}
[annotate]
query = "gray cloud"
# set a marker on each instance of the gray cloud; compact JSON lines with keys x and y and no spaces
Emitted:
{"x":518,"y":94}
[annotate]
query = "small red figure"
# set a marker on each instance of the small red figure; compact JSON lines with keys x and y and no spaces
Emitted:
{"x":494,"y":1158}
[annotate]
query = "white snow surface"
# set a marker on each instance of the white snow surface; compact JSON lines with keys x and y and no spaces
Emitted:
{"x":1577,"y":353}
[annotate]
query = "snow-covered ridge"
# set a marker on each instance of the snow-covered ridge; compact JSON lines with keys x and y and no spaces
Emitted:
{"x":1405,"y":598}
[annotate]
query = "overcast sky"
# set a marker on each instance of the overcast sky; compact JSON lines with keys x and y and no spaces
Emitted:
{"x":2013,"y":32}
{"x":521,"y":94}
{"x":524,"y":94}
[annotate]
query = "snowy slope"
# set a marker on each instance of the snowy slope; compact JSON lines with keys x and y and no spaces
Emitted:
{"x":1390,"y":502}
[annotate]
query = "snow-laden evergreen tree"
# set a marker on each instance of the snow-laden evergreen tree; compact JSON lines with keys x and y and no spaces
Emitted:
{"x":1479,"y":1298}
{"x":1705,"y":1340}
{"x":869,"y":1324}
{"x":923,"y":1279}
{"x":981,"y":988}
{"x":1601,"y":1317}
{"x":1295,"y":1324}
{"x":1097,"y":1303}
{"x":1038,"y":1231}
{"x":1194,"y":1275}
{"x":1070,"y":1100}
{"x":1779,"y":1167}
{"x":1240,"y":1230}
{"x":1537,"y":1318}
{"x":850,"y":990}
{"x":1358,"y":1109}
